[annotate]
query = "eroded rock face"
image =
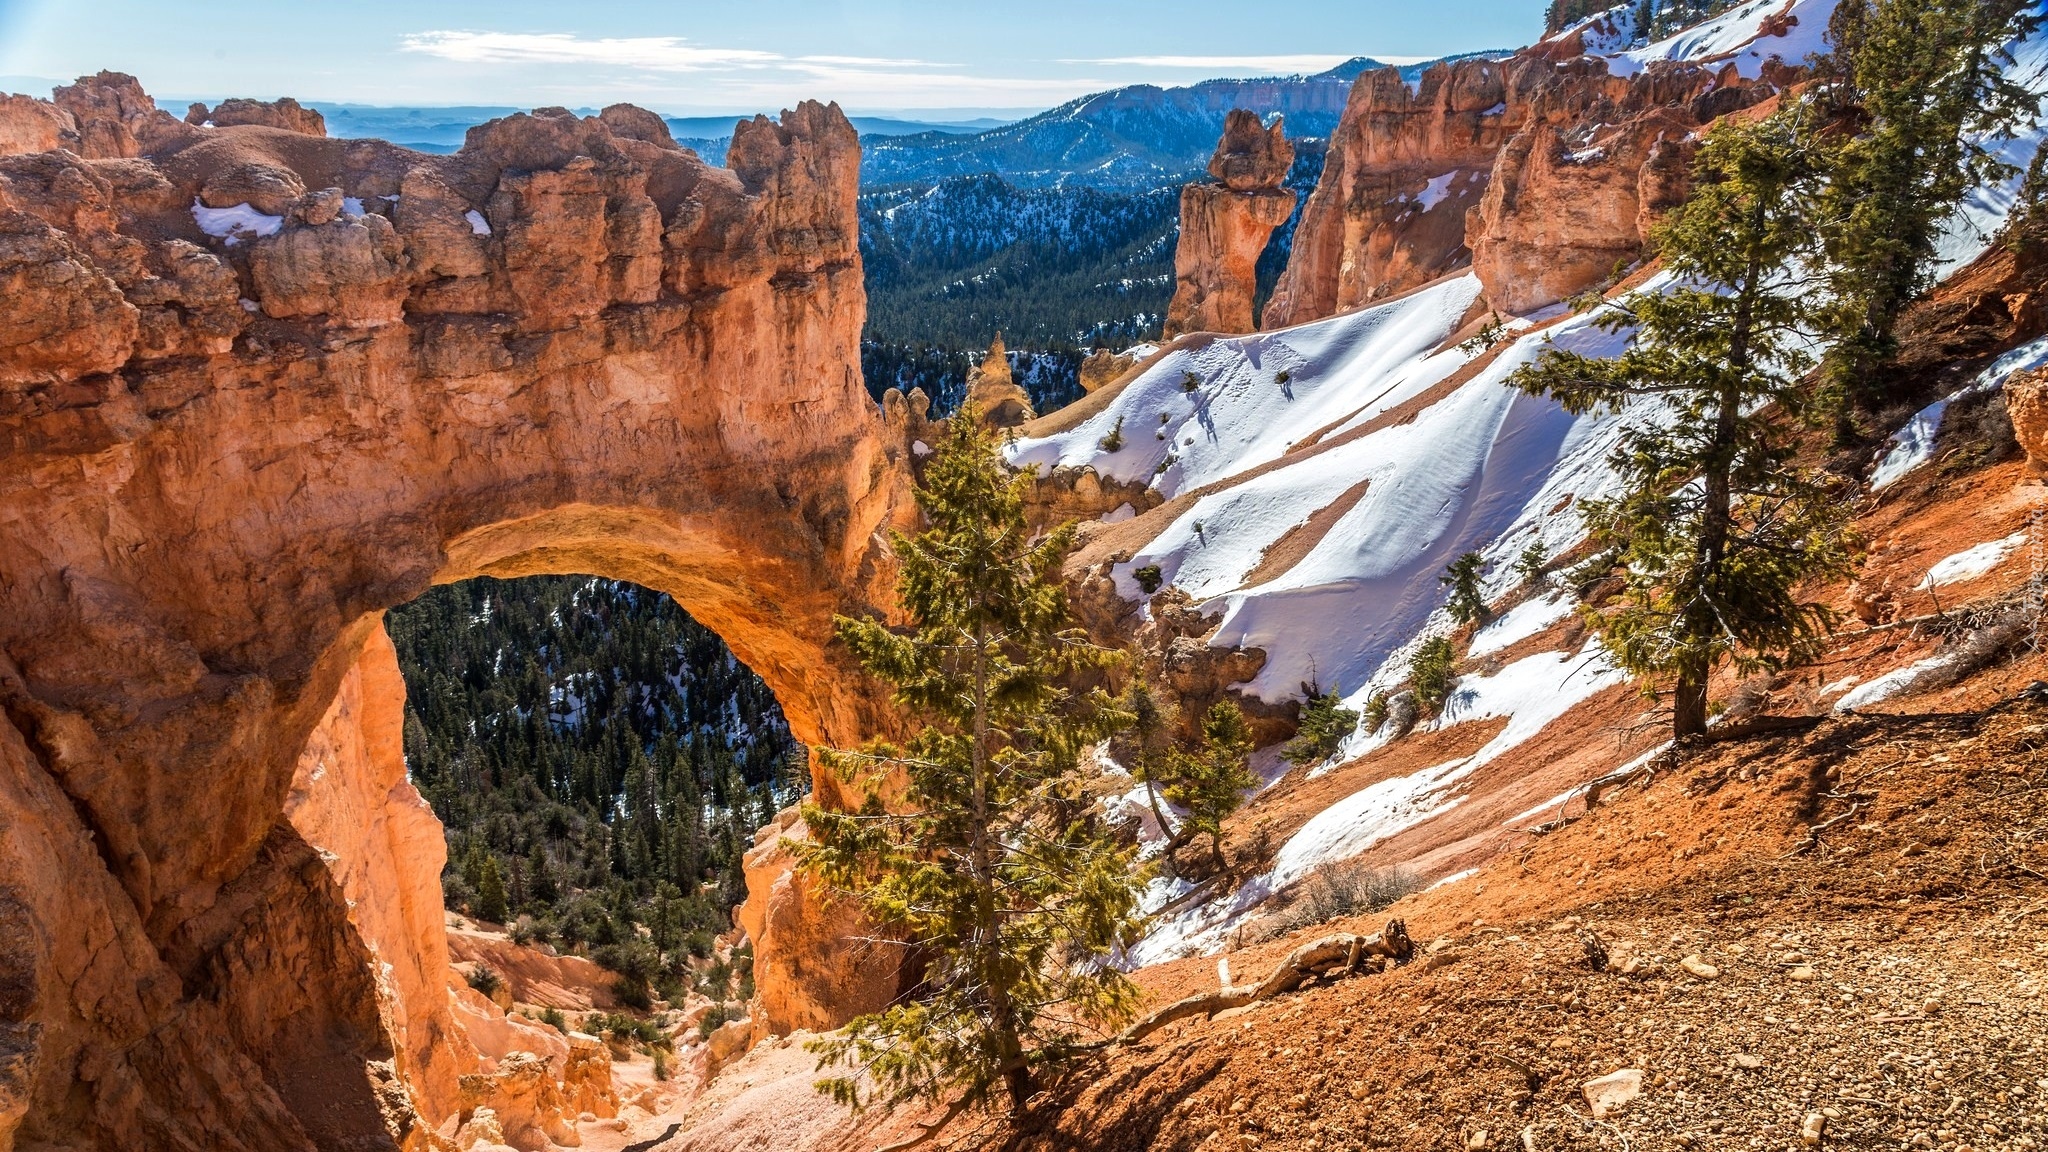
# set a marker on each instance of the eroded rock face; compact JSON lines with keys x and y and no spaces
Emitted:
{"x":287,"y":114}
{"x":1225,"y":226}
{"x":828,"y":952}
{"x":1541,"y":171}
{"x":992,"y":390}
{"x":1104,"y":367}
{"x":2026,"y":401}
{"x":222,"y":456}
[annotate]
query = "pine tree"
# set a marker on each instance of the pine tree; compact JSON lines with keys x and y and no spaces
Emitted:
{"x":1717,"y":525}
{"x":1150,"y":748}
{"x":1325,"y":722}
{"x":490,"y":891}
{"x":542,"y":883}
{"x":1209,"y":782}
{"x":1466,"y":603}
{"x":1014,"y":908}
{"x":1917,"y":79}
{"x":1433,"y":673}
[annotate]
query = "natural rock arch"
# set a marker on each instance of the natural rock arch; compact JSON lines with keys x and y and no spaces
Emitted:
{"x":572,"y":347}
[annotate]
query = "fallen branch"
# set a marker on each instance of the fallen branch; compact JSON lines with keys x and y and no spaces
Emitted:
{"x":1318,"y":957}
{"x":1761,"y":726}
{"x":1813,"y":831}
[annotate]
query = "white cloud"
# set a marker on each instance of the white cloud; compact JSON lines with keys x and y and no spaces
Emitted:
{"x":654,"y":53}
{"x":1269,"y":64}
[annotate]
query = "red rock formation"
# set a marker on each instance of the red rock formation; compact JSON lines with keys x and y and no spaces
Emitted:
{"x":2026,"y":401}
{"x":1224,"y":227}
{"x":287,"y":114}
{"x":1003,"y":403}
{"x":1539,"y":173}
{"x":223,"y":455}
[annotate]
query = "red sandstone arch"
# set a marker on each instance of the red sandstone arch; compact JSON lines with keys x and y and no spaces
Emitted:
{"x":219,"y":464}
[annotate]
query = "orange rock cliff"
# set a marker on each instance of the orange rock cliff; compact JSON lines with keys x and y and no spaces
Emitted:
{"x":1541,"y":174}
{"x":1224,"y":227}
{"x":257,"y":386}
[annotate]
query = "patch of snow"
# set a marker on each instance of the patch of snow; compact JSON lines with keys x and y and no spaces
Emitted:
{"x":477,"y":224}
{"x":1897,"y":682}
{"x":1913,"y":445}
{"x":353,"y":205}
{"x":1433,"y":193}
{"x":1519,"y":623}
{"x":1120,"y":513}
{"x":1453,"y":878}
{"x":234,"y":224}
{"x":1555,"y":802}
{"x":1240,"y":415}
{"x":1531,"y":693}
{"x":1839,"y":686}
{"x":1971,"y":563}
{"x":1367,"y":817}
{"x":920,"y":448}
{"x":1735,"y":36}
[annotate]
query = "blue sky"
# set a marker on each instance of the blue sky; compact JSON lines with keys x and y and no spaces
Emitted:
{"x":684,"y":56}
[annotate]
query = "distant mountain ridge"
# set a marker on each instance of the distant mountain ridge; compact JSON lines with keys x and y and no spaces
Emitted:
{"x":1138,"y":136}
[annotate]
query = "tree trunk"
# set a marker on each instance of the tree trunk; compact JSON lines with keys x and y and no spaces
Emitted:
{"x":1689,"y":701}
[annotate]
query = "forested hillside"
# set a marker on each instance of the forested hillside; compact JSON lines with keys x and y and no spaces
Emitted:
{"x":600,"y":761}
{"x":1058,"y":271}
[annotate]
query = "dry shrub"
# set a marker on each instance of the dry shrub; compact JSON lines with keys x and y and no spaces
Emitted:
{"x":1335,"y":891}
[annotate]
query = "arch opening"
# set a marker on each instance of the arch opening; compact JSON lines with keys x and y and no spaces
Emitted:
{"x":600,"y":762}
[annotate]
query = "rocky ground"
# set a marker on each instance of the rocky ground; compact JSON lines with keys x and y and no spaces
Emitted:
{"x":1876,"y":986}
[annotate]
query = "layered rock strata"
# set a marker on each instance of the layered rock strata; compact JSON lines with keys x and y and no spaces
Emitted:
{"x":1224,"y":227}
{"x":256,"y":386}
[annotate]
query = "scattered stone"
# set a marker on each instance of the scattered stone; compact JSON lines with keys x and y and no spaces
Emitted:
{"x":1804,"y":973}
{"x":1699,"y":967}
{"x":1916,"y":848}
{"x":1477,"y":1141}
{"x":1745,"y":1060}
{"x":1611,"y":1093}
{"x":1814,"y":1127}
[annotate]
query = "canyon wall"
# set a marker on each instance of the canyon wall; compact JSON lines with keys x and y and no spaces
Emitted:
{"x":256,"y":386}
{"x":1542,"y":172}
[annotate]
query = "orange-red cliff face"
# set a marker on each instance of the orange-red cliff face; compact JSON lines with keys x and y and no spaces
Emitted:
{"x":1224,"y":226}
{"x":1540,"y":173}
{"x":256,"y":386}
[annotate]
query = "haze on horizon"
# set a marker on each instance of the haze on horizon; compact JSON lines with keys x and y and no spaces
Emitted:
{"x":927,"y":57}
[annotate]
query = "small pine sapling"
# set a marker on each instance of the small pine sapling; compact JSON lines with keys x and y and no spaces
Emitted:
{"x":1113,"y":442}
{"x":1209,"y":781}
{"x":1467,"y":603}
{"x":1375,"y":712}
{"x":1325,"y":722}
{"x":1433,"y":674}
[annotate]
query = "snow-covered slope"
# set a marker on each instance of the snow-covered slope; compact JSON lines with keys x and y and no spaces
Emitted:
{"x":1479,"y":466}
{"x":1746,"y":36}
{"x":1317,"y":480}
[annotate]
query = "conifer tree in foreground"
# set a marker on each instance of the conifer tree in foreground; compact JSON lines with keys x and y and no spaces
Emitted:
{"x":1014,"y":905}
{"x":1717,"y":525}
